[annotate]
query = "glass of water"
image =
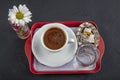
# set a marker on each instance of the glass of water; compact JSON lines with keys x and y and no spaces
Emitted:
{"x":87,"y":54}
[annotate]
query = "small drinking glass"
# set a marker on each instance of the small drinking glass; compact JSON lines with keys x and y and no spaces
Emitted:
{"x":87,"y":54}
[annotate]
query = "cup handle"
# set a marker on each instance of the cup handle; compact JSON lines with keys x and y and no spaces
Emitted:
{"x":71,"y":41}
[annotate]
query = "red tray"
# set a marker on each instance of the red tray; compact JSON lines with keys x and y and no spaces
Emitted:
{"x":30,"y":56}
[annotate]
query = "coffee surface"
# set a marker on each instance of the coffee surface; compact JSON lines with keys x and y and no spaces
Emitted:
{"x":54,"y":38}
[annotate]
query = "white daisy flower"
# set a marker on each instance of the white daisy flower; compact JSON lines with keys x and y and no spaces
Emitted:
{"x":19,"y":16}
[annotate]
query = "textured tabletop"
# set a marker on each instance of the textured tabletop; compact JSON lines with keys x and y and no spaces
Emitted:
{"x":105,"y":13}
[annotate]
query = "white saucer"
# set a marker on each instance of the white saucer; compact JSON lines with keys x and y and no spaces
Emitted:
{"x":53,"y":59}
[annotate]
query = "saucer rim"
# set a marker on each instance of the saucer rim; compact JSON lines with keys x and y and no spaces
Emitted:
{"x":53,"y":65}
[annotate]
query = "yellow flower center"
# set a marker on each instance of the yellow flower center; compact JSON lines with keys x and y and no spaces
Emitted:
{"x":19,"y":15}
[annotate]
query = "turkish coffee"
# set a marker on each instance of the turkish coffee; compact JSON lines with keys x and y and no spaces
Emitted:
{"x":54,"y":38}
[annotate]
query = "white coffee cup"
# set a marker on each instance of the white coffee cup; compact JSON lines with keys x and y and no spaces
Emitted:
{"x":60,"y":26}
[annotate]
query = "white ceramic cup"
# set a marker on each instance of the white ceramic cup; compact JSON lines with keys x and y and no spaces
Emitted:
{"x":60,"y":26}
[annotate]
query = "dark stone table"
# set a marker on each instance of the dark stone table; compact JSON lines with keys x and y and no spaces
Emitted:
{"x":106,"y":14}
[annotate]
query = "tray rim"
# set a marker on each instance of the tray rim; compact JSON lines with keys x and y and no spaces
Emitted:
{"x":29,"y":54}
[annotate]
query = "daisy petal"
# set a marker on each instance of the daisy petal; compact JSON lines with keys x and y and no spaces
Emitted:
{"x":12,"y":21}
{"x":26,"y":20}
{"x":15,"y":8}
{"x":29,"y":17}
{"x":20,"y":8}
{"x":21,"y":22}
{"x":27,"y":13}
{"x":11,"y":14}
{"x":16,"y":21}
{"x":13,"y":17}
{"x":9,"y":19}
{"x":11,"y":11}
{"x":25,"y":7}
{"x":24,"y":10}
{"x":14,"y":11}
{"x":30,"y":20}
